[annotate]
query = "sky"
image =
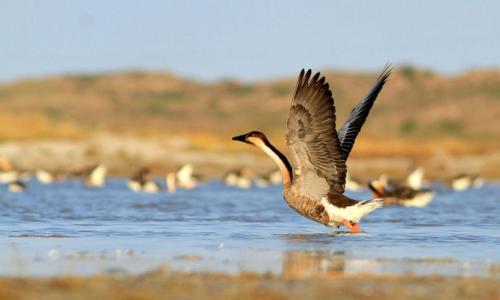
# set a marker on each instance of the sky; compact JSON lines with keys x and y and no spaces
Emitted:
{"x":246,"y":40}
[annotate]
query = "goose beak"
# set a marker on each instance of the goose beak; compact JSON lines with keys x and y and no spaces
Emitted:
{"x":240,"y":138}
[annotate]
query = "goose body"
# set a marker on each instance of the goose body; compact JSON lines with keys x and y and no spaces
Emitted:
{"x":415,"y":179}
{"x":182,"y":178}
{"x":272,"y":178}
{"x":239,"y":177}
{"x":44,"y":177}
{"x":463,"y":182}
{"x":171,"y":182}
{"x":8,"y":176}
{"x":185,"y":178}
{"x":399,"y":194}
{"x":352,"y":184}
{"x":139,"y":182}
{"x":95,"y":176}
{"x":16,"y":186}
{"x":314,"y":178}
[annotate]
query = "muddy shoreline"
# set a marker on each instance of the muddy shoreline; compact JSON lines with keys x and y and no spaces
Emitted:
{"x":123,"y":155}
{"x":167,"y":285}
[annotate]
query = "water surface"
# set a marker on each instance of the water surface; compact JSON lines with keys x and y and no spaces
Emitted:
{"x":66,"y":228}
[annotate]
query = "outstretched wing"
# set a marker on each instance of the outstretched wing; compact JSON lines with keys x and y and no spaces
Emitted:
{"x":312,"y":140}
{"x":350,"y":130}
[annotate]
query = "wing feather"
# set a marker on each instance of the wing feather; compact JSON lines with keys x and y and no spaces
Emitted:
{"x":315,"y":151}
{"x":351,"y":128}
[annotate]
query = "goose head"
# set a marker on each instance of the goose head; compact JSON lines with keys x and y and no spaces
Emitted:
{"x":252,"y":138}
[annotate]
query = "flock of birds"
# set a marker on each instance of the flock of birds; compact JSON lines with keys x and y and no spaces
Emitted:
{"x":410,"y":192}
{"x":314,"y":176}
{"x":94,"y":176}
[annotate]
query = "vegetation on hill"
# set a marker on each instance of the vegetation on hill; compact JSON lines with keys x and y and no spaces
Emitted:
{"x":416,"y":110}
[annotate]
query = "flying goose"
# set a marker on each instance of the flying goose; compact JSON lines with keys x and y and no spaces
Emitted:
{"x":314,"y":179}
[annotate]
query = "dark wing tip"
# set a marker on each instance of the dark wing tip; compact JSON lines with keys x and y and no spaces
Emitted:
{"x":306,"y":78}
{"x":351,"y":128}
{"x":314,"y":80}
{"x":301,"y":75}
{"x":386,"y":72}
{"x":305,"y":82}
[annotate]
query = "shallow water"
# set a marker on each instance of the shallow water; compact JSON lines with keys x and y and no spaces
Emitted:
{"x":217,"y":228}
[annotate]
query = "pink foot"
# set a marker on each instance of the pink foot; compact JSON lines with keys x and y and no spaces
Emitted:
{"x":351,"y":226}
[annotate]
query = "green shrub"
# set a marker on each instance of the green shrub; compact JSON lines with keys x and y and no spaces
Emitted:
{"x":408,"y":126}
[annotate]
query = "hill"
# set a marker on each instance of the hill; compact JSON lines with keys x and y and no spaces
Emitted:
{"x":418,"y":112}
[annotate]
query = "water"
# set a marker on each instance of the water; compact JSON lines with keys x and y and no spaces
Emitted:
{"x":66,"y":228}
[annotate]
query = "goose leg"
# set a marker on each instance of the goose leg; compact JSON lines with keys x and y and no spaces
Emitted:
{"x":351,"y":226}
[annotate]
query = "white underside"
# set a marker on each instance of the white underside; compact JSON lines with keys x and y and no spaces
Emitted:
{"x":352,"y":213}
{"x":97,"y":177}
{"x":185,"y":178}
{"x":415,"y":179}
{"x":147,"y":187}
{"x":461,"y":184}
{"x":421,"y":200}
{"x":15,"y":188}
{"x":44,"y":177}
{"x":8,"y":176}
{"x":134,"y":185}
{"x":151,"y":187}
{"x":238,"y":181}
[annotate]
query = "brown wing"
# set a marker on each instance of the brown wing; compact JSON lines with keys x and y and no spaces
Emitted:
{"x":312,"y":140}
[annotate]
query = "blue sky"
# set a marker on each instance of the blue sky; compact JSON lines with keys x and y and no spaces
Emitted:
{"x":210,"y":40}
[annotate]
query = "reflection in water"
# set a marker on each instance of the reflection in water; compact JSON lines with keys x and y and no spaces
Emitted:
{"x":299,"y":264}
{"x":315,"y":238}
{"x":324,"y":262}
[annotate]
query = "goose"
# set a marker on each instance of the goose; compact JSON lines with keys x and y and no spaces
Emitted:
{"x":16,"y":186}
{"x":185,"y":178}
{"x":96,"y":176}
{"x":415,"y":179}
{"x":269,"y":179}
{"x":7,"y":171}
{"x":275,"y":177}
{"x":139,"y":182}
{"x":171,"y":181}
{"x":8,"y":176}
{"x":352,"y":185}
{"x":314,"y":178}
{"x":239,"y":177}
{"x":463,"y":182}
{"x":45,"y":177}
{"x":399,"y":194}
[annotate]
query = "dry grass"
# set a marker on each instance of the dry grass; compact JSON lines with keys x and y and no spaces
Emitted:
{"x":35,"y":125}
